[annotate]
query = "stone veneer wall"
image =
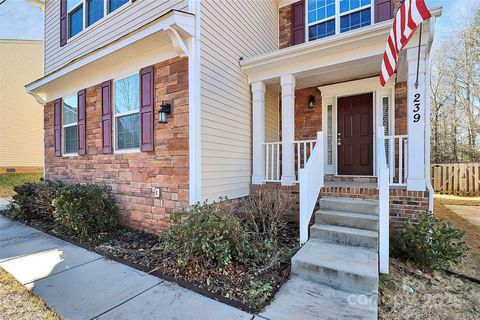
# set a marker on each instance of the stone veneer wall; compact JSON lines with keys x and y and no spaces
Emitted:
{"x":401,"y":108}
{"x":285,"y":26}
{"x":132,"y":175}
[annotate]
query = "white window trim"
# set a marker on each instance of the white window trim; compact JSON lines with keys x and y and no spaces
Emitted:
{"x":85,"y":27}
{"x":337,"y":16}
{"x":121,"y":114}
{"x":71,"y":154}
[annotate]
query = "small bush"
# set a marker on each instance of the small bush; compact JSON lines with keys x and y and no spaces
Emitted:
{"x":209,"y":235}
{"x":34,"y":200}
{"x":86,"y":209}
{"x":429,"y":242}
{"x":264,"y":213}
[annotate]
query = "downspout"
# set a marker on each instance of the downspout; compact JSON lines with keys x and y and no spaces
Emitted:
{"x":427,"y":119}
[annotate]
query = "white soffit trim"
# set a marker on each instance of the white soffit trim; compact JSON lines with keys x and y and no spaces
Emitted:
{"x":283,"y":3}
{"x":355,"y":86}
{"x":178,"y":25}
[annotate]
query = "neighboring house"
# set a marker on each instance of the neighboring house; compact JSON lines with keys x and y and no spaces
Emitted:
{"x":21,"y":121}
{"x":176,"y":102}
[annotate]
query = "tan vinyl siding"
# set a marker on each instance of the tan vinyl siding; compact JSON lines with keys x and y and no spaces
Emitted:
{"x":21,"y":117}
{"x":271,"y":116}
{"x":229,"y":30}
{"x":110,"y":28}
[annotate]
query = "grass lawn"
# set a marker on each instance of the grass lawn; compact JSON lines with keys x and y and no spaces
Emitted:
{"x":10,"y":180}
{"x":16,"y":302}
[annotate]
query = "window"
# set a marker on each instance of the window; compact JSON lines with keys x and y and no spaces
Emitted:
{"x":115,"y":4}
{"x":75,"y":17}
{"x":330,"y":134}
{"x":328,"y":17}
{"x":127,"y":113}
{"x":69,"y":124}
{"x":94,"y":11}
{"x":84,"y":13}
{"x":386,"y":123}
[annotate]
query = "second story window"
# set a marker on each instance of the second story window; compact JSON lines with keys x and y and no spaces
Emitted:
{"x":84,"y":13}
{"x":94,"y":11}
{"x":75,"y":17}
{"x":329,"y":17}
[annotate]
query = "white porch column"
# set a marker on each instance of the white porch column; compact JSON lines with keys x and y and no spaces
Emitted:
{"x":288,"y":129}
{"x":416,"y":120}
{"x":258,"y":135}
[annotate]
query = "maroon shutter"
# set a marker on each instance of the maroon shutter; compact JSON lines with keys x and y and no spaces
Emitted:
{"x":298,"y":22}
{"x":146,"y":108}
{"x":82,"y":129}
{"x":107,"y":116}
{"x":383,"y":10}
{"x":63,"y":23}
{"x":57,"y":126}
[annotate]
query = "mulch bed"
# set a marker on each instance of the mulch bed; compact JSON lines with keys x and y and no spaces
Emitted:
{"x":246,"y":287}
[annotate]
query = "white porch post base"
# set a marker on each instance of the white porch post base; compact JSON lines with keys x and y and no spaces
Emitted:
{"x":258,"y":134}
{"x":416,"y":120}
{"x":288,"y":130}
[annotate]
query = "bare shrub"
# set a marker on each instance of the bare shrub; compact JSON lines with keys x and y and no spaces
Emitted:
{"x":264,"y":213}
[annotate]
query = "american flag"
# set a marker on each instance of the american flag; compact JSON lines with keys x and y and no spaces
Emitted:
{"x":408,"y":17}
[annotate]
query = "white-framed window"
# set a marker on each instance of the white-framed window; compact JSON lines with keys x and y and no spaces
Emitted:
{"x":83,"y":13}
{"x":127,"y":113}
{"x":70,"y":125}
{"x":328,"y":17}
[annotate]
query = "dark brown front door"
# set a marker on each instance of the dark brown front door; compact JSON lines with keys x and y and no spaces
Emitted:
{"x":355,"y":135}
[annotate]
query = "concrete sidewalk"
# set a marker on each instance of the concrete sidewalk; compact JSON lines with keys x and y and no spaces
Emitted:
{"x":80,"y":284}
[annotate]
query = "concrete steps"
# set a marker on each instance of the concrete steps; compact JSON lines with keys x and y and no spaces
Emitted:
{"x":352,"y":269}
{"x":347,"y":219}
{"x":343,"y":248}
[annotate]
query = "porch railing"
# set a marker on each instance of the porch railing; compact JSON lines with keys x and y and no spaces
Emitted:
{"x":311,"y":181}
{"x":273,"y":158}
{"x":383,"y":201}
{"x":396,"y":151}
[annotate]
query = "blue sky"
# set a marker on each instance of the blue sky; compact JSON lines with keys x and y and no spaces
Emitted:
{"x":21,"y":20}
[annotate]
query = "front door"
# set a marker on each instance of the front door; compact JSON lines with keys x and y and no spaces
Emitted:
{"x":355,"y":135}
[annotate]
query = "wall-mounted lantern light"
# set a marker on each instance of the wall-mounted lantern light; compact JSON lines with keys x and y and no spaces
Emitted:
{"x":165,"y":109}
{"x":311,"y":102}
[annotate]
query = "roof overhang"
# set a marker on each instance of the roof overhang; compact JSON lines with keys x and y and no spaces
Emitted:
{"x":159,"y":40}
{"x":351,"y":55}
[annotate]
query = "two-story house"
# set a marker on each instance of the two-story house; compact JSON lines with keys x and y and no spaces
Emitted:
{"x":172,"y":102}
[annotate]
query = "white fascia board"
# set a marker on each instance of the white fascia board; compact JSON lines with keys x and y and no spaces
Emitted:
{"x":168,"y":21}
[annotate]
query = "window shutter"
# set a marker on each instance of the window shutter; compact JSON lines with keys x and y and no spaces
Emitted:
{"x":383,"y":10}
{"x":81,"y":122}
{"x":57,"y":126}
{"x":107,"y":116}
{"x":146,"y":108}
{"x":63,"y":22}
{"x":298,"y":22}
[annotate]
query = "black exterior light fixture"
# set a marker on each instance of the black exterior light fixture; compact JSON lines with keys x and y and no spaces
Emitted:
{"x":311,"y":102}
{"x":165,"y":109}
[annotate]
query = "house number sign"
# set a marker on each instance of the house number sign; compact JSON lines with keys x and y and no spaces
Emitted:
{"x":416,"y":108}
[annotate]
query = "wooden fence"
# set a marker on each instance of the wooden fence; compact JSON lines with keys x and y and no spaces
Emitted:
{"x":462,"y":179}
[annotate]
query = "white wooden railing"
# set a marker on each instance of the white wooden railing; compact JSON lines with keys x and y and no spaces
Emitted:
{"x":273,"y":152}
{"x":397,"y":159}
{"x":304,"y":149}
{"x":311,"y":181}
{"x":384,"y":201}
{"x":273,"y":158}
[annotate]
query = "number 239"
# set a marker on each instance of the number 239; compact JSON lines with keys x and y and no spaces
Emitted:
{"x":416,"y":109}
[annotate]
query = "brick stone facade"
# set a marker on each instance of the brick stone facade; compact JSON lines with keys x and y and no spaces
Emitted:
{"x":307,"y":120}
{"x":401,"y":108}
{"x":285,"y":26}
{"x":132,"y":175}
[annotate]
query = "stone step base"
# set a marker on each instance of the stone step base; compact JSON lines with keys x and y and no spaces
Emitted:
{"x":347,"y":219}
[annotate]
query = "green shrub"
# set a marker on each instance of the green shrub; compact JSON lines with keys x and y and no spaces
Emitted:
{"x":86,"y":209}
{"x":34,"y":200}
{"x":209,"y":235}
{"x":429,"y":242}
